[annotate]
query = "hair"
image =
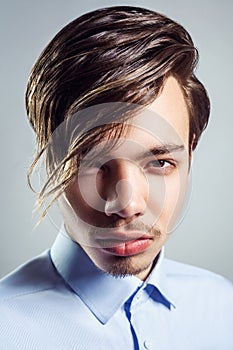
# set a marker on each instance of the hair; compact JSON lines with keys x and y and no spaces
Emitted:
{"x":115,"y":54}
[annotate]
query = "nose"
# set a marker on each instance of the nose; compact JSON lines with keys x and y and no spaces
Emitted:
{"x":126,"y":190}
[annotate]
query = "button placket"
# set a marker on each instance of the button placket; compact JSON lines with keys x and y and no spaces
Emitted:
{"x":139,"y":294}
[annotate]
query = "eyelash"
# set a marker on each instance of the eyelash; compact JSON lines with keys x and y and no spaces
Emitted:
{"x":160,"y":169}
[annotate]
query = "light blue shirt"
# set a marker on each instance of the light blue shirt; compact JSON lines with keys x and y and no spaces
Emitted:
{"x":60,"y":300}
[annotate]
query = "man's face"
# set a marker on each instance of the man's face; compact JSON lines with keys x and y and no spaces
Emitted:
{"x":121,"y":207}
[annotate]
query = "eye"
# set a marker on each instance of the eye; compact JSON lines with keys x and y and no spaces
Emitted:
{"x":159,"y":163}
{"x":161,"y":166}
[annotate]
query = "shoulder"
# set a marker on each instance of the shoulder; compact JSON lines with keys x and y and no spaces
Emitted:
{"x":35,"y":275}
{"x":178,"y":269}
{"x":201,"y":298}
{"x":198,"y":282}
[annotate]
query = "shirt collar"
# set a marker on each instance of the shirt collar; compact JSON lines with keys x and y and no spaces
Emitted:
{"x":91,"y":284}
{"x":158,"y":279}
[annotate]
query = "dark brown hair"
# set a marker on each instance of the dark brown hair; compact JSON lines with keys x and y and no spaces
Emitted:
{"x":116,"y":54}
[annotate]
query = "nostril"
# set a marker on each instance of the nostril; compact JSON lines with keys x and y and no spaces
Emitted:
{"x":128,"y":202}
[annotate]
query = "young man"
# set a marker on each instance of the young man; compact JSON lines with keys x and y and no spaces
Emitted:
{"x":117,"y":111}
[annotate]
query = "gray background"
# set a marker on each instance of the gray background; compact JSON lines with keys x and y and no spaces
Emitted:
{"x":205,"y":237}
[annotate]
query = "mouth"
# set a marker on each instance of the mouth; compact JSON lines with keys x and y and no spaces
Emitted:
{"x":125,"y":245}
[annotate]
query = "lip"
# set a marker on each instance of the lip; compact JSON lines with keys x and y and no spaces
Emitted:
{"x":128,"y":248}
{"x":123,"y":237}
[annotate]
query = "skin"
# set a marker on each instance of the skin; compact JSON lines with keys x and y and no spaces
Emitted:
{"x":122,"y":208}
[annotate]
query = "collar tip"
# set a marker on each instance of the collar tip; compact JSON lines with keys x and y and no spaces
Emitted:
{"x":172,"y":306}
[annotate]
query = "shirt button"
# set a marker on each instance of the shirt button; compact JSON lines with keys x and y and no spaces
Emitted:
{"x":147,"y":344}
{"x":138,"y":296}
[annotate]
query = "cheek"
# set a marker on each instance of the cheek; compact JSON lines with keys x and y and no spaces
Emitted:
{"x":165,"y":199}
{"x":85,"y":200}
{"x":89,"y":192}
{"x":78,"y":205}
{"x":157,"y":194}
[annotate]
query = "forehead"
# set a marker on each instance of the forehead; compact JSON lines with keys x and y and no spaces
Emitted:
{"x":172,"y":108}
{"x":164,"y":122}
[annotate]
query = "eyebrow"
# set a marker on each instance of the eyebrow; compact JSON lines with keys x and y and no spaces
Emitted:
{"x":160,"y":150}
